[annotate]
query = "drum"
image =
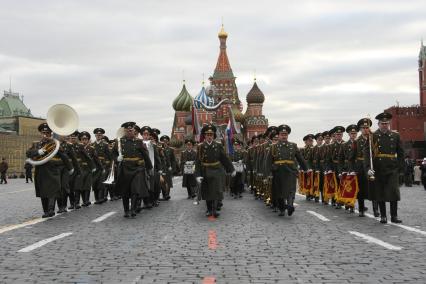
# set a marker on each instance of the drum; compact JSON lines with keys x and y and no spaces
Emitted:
{"x":189,"y":168}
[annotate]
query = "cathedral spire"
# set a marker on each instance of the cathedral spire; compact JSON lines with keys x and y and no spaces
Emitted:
{"x":223,"y":68}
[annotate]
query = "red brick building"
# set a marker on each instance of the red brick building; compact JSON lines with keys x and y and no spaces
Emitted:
{"x":410,"y":121}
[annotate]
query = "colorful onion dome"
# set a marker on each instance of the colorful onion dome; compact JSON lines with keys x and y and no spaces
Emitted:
{"x":255,"y":96}
{"x":202,"y":97}
{"x":183,"y":101}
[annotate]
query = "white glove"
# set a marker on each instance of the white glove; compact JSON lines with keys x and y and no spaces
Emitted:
{"x":240,"y":161}
{"x":41,"y":152}
{"x":120,"y":158}
{"x":199,"y":179}
{"x":370,"y":173}
{"x":160,"y":172}
{"x":93,"y":170}
{"x":308,"y":171}
{"x":233,"y":174}
{"x":103,"y":171}
{"x":170,"y":168}
{"x":265,"y":181}
{"x":70,"y":172}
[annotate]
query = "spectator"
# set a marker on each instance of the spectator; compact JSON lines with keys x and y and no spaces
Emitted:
{"x":28,"y":172}
{"x":3,"y":170}
{"x":408,"y":173}
{"x":423,"y":169}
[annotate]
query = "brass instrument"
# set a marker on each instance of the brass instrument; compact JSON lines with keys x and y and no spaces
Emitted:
{"x":63,"y":120}
{"x":111,"y":177}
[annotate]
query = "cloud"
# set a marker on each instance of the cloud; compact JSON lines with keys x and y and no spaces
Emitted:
{"x":319,"y":62}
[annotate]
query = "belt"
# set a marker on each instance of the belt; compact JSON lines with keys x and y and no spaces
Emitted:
{"x":132,"y":159}
{"x":56,"y":159}
{"x":101,"y":158}
{"x":336,"y":161}
{"x":390,"y":156}
{"x":211,"y":164}
{"x":84,"y":164}
{"x":321,"y":161}
{"x":282,"y":162}
{"x":360,"y":159}
{"x":140,"y":161}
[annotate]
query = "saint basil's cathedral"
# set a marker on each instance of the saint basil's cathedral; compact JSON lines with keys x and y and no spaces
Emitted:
{"x":214,"y":103}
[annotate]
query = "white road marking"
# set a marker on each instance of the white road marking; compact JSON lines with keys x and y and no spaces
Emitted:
{"x":31,"y":189}
{"x":44,"y":242}
{"x":17,"y":226}
{"x":371,"y":239}
{"x":300,"y":195}
{"x":103,"y":217}
{"x":319,"y":216}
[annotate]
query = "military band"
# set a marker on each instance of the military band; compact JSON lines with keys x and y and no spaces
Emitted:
{"x":269,"y":167}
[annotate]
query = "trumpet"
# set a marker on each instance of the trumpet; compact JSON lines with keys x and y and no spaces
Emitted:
{"x":111,"y":177}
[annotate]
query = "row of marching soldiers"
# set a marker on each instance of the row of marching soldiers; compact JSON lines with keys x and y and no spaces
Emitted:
{"x":142,"y":169}
{"x":333,"y":171}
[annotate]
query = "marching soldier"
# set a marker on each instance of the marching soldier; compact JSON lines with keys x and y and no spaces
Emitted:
{"x":187,"y":160}
{"x":47,"y":177}
{"x":362,"y":145}
{"x":283,"y":158}
{"x":347,"y":153}
{"x":237,"y":158}
{"x":66,"y":177}
{"x":334,"y":154}
{"x":307,"y":154}
{"x":251,"y":153}
{"x":388,"y":162}
{"x":134,"y":161}
{"x":316,"y":161}
{"x":210,"y":169}
{"x":171,"y":160}
{"x":104,"y":155}
{"x":322,"y":155}
{"x":88,"y":169}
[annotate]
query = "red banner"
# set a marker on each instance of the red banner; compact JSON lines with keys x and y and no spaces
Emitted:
{"x":315,"y":189}
{"x":330,"y":186}
{"x":349,"y":190}
{"x":309,"y":182}
{"x":301,"y":183}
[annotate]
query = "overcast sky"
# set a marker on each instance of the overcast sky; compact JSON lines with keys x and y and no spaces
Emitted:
{"x":319,"y":63}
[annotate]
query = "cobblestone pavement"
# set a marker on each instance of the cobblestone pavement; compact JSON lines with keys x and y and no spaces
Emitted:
{"x":176,"y":243}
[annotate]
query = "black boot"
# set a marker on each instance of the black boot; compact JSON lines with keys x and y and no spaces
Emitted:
{"x":214,"y":208}
{"x":209,"y":208}
{"x":133,"y":206}
{"x":394,"y":212}
{"x":375,"y":209}
{"x":88,"y":198}
{"x":382,"y":207}
{"x":126,"y":207}
{"x":361,"y":207}
{"x":51,"y":205}
{"x":290,"y":206}
{"x":45,"y":205}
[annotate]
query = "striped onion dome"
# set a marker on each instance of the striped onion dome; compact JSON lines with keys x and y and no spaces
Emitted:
{"x":183,"y":101}
{"x":202,"y":97}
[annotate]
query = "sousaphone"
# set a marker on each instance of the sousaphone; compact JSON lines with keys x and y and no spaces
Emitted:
{"x":63,"y":120}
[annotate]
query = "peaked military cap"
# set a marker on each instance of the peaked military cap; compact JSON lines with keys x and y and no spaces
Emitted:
{"x":156,"y":131}
{"x":44,"y":127}
{"x":137,"y":128}
{"x":146,"y":128}
{"x":284,"y":128}
{"x":309,"y":136}
{"x":129,"y":124}
{"x":188,"y":140}
{"x":339,"y":129}
{"x":384,"y":117}
{"x":253,"y":138}
{"x":331,"y":131}
{"x":84,"y":134}
{"x":318,"y":135}
{"x":75,"y":133}
{"x":99,"y":131}
{"x":164,"y":137}
{"x":237,"y":142}
{"x":270,"y":129}
{"x":364,"y":122}
{"x":106,"y":139}
{"x":209,"y":128}
{"x":325,"y":133}
{"x":352,"y":128}
{"x":154,"y":136}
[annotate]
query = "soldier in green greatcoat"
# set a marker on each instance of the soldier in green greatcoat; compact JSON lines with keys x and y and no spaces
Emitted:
{"x":284,"y":159}
{"x":210,"y":168}
{"x":104,"y":156}
{"x":47,"y":176}
{"x":388,"y":163}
